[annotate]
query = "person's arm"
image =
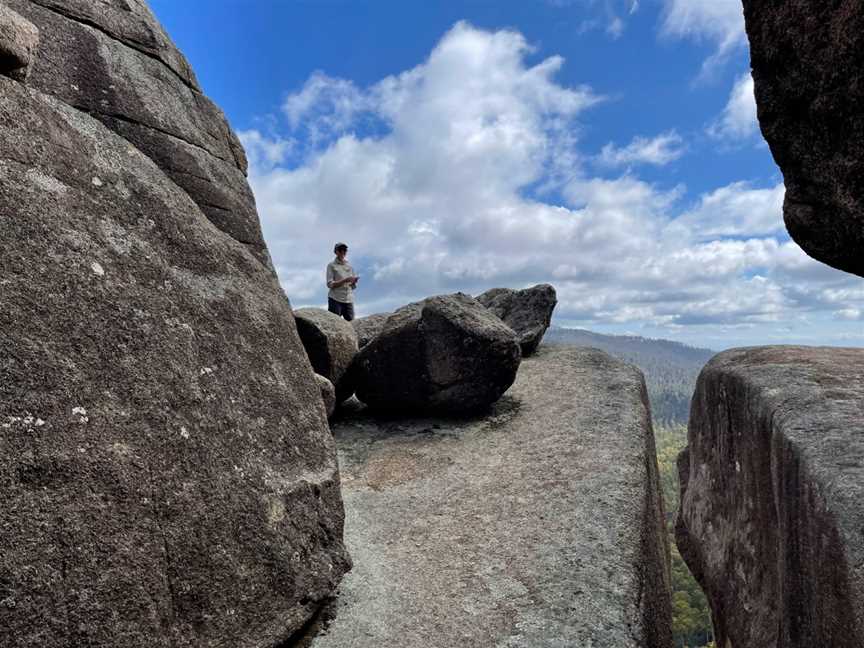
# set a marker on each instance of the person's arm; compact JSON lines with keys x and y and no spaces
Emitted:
{"x":332,"y":281}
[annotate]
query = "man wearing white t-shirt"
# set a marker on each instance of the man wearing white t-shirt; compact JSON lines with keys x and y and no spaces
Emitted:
{"x":341,"y":281}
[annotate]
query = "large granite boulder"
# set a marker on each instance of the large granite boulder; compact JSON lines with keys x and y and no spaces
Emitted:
{"x":445,"y":354}
{"x":528,"y":311}
{"x":114,"y":61}
{"x":368,"y":327}
{"x":167,"y":475}
{"x":331,"y":344}
{"x":538,"y":524}
{"x":771,"y":522}
{"x":808,"y":68}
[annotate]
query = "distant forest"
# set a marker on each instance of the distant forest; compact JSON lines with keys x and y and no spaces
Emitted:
{"x":670,"y":369}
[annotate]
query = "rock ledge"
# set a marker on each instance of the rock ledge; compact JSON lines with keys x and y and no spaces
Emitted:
{"x":771,"y":522}
{"x":538,"y":524}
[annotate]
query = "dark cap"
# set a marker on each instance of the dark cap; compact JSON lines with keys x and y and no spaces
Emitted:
{"x":339,"y":246}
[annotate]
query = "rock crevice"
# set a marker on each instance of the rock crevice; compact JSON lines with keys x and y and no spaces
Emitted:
{"x":102,"y":115}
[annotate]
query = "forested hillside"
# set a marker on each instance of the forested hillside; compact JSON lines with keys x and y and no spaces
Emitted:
{"x":670,"y":369}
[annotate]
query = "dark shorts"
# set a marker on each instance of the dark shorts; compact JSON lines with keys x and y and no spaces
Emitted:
{"x":341,"y":308}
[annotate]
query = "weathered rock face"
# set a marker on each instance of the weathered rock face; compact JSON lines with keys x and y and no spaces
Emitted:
{"x":528,"y":311}
{"x":368,"y":327}
{"x":331,"y":344}
{"x":19,"y":39}
{"x":538,"y":524}
{"x":166,"y":470}
{"x":771,"y":522}
{"x":808,"y":69}
{"x":328,"y":394}
{"x":114,"y":61}
{"x":445,"y":354}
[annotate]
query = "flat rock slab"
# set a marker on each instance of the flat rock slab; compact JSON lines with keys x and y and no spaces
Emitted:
{"x":538,"y":524}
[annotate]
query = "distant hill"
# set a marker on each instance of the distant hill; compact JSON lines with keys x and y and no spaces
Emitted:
{"x":670,"y":368}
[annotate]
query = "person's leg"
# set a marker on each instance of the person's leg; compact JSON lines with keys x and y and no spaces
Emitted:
{"x":348,"y":311}
{"x":334,"y":306}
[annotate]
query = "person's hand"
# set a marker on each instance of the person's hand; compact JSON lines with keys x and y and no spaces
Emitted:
{"x":354,"y":281}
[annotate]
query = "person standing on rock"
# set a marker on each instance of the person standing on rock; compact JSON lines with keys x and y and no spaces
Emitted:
{"x":341,"y":281}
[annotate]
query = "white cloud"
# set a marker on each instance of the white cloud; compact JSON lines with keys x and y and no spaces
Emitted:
{"x":264,"y":152}
{"x":659,"y":150}
{"x":615,"y":28}
{"x":738,"y":120}
{"x":441,"y":196}
{"x":468,"y":129}
{"x":325,"y":106}
{"x":608,"y":15}
{"x":736,"y":210}
{"x":720,"y":22}
{"x":849,"y":314}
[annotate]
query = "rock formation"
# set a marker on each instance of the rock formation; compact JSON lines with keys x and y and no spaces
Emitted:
{"x":538,"y":524}
{"x":528,"y":311}
{"x":113,"y":61}
{"x":808,"y":69}
{"x":368,"y":327}
{"x":328,"y":394}
{"x":445,"y":354}
{"x":331,"y":344}
{"x":167,"y":474}
{"x":771,"y":522}
{"x":19,"y":39}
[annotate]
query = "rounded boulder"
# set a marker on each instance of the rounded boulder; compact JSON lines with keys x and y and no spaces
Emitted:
{"x":331,"y":344}
{"x":368,"y":327}
{"x":528,"y":311}
{"x":446,"y":354}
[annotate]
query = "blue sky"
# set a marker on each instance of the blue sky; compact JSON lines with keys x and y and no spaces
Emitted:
{"x":608,"y":147}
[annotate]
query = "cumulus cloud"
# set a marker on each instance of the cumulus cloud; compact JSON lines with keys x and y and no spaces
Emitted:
{"x":738,"y":121}
{"x":719,"y":22}
{"x":265,"y":152}
{"x":334,"y":103}
{"x":736,"y":210}
{"x":849,"y":314}
{"x":465,"y":173}
{"x":659,"y":150}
